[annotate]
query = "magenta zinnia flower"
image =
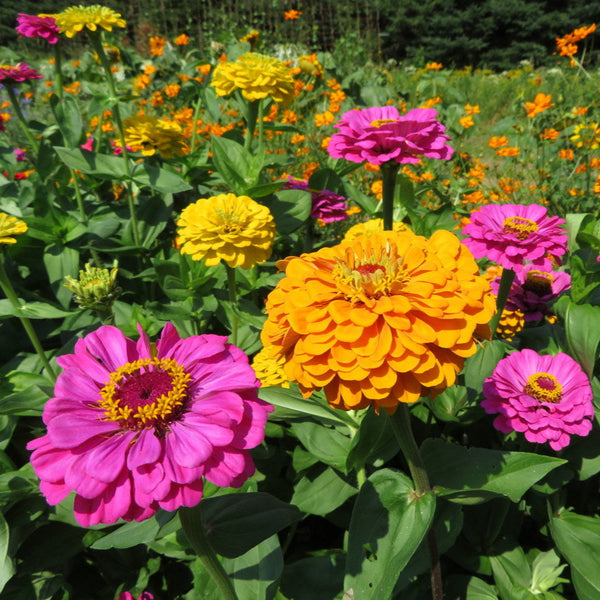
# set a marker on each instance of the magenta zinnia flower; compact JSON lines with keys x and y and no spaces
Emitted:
{"x":326,"y":205}
{"x":38,"y":26}
{"x":534,"y":290}
{"x":133,"y":428}
{"x":20,"y":72}
{"x":129,"y":596}
{"x":548,"y":398}
{"x":380,"y":134}
{"x":509,"y":234}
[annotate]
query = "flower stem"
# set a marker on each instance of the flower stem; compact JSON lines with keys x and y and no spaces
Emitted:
{"x":251,"y":123}
{"x":402,"y":430}
{"x":21,"y":117}
{"x":389,"y":170}
{"x":194,"y":530}
{"x":232,"y":286}
{"x":197,"y":108}
{"x":58,"y":70}
{"x":508,"y":276}
{"x":10,"y":293}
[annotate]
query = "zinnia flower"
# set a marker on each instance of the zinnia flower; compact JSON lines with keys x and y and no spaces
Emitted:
{"x":18,"y":73}
{"x":268,"y":366}
{"x":548,"y":398}
{"x":150,"y":135}
{"x":129,"y":596}
{"x":135,"y":427}
{"x":378,"y":320}
{"x":10,"y":226}
{"x":380,"y":134}
{"x":227,"y":227}
{"x":369,"y":227}
{"x":256,"y":76}
{"x":509,"y":234}
{"x":74,"y":19}
{"x":326,"y":205}
{"x":40,"y":26}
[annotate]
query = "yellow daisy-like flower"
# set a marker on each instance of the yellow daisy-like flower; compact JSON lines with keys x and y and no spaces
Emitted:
{"x":511,"y":322}
{"x":269,"y":368}
{"x":586,"y":136}
{"x":10,"y":226}
{"x":369,"y":227}
{"x":257,"y":76}
{"x":149,"y":135}
{"x":379,"y":320}
{"x":227,"y":227}
{"x":74,"y":19}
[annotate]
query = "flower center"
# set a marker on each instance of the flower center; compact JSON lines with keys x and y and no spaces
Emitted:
{"x":544,"y":387}
{"x":520,"y":227}
{"x":380,"y":122}
{"x":539,"y":282}
{"x":149,"y":392}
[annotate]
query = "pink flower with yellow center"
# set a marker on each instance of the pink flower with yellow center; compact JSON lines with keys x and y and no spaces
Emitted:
{"x":135,"y":427}
{"x":38,"y":26}
{"x":548,"y":398}
{"x":14,"y":74}
{"x":509,"y":234}
{"x":380,"y":134}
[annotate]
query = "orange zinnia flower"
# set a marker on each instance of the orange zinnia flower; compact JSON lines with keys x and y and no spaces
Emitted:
{"x":292,"y":15}
{"x":498,"y":141}
{"x":540,"y":103}
{"x":467,"y":121}
{"x":157,"y":45}
{"x":182,"y":40}
{"x":508,"y":151}
{"x":380,"y":319}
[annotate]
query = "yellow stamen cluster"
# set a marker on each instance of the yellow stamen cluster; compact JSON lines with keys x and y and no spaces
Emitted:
{"x":544,"y":387}
{"x":520,"y":227}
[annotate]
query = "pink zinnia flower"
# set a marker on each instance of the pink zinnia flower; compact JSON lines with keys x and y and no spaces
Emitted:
{"x":326,"y":205}
{"x":548,"y":398}
{"x":380,"y":134}
{"x":509,"y":234}
{"x":39,"y":26}
{"x":20,"y":72}
{"x":135,"y":427}
{"x":534,"y":290}
{"x":129,"y":596}
{"x":88,"y":144}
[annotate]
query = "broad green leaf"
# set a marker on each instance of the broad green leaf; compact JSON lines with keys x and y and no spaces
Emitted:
{"x":314,"y":577}
{"x":255,"y":573}
{"x":387,"y":526}
{"x":480,"y":590}
{"x":512,"y":574}
{"x":577,"y":538}
{"x":92,"y":163}
{"x":325,"y":179}
{"x":6,"y":565}
{"x":290,"y":209}
{"x":61,"y":261}
{"x":322,"y":494}
{"x":161,"y":180}
{"x":27,"y":402}
{"x":233,"y":162}
{"x":31,"y":310}
{"x":68,"y":118}
{"x":481,"y":365}
{"x":133,"y":533}
{"x":235,"y":523}
{"x":473,"y":475}
{"x":582,"y":339}
{"x":327,"y":444}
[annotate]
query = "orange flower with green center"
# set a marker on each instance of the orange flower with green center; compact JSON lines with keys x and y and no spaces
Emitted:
{"x":380,"y":319}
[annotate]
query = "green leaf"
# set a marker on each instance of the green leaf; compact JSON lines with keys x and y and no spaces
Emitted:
{"x":322,"y":494}
{"x":480,"y":590}
{"x":92,"y":163}
{"x":6,"y":566}
{"x":387,"y":526}
{"x":314,"y":577}
{"x":27,"y":402}
{"x":582,"y":339}
{"x":474,"y":475}
{"x":512,"y":574}
{"x":233,"y":162}
{"x":161,"y":180}
{"x":68,"y":118}
{"x":133,"y":533}
{"x":481,"y":365}
{"x":235,"y":523}
{"x":290,"y":209}
{"x":577,"y":538}
{"x":255,"y":573}
{"x":32,"y":310}
{"x":327,"y":444}
{"x":61,"y":261}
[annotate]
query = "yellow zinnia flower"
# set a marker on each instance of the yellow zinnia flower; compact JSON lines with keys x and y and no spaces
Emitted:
{"x":74,"y":19}
{"x":149,"y":135}
{"x":257,"y":76}
{"x":10,"y":226}
{"x":269,"y":368}
{"x":227,"y":227}
{"x":379,"y":320}
{"x":369,"y":227}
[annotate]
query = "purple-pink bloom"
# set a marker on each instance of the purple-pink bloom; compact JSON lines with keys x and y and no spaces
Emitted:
{"x":88,"y":144}
{"x":38,"y":26}
{"x":548,"y":398}
{"x":129,"y":596}
{"x":134,"y":427}
{"x":380,"y":134}
{"x":509,"y":234}
{"x":20,"y":72}
{"x":533,"y":290}
{"x":20,"y":154}
{"x":326,"y":205}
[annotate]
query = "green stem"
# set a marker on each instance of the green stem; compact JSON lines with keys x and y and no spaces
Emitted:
{"x":251,"y":123}
{"x":402,"y":430}
{"x":21,"y":117}
{"x":58,"y":70}
{"x":389,"y":170}
{"x":232,"y":286}
{"x":10,"y":293}
{"x":508,"y":276}
{"x":261,"y":126}
{"x":195,"y":123}
{"x":193,"y":528}
{"x":78,"y":196}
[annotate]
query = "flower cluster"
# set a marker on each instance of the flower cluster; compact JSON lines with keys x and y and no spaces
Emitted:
{"x":378,"y":320}
{"x":135,"y":427}
{"x":256,"y":76}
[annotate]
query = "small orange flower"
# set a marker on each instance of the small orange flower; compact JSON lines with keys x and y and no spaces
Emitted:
{"x":566,"y":154}
{"x":467,"y":121}
{"x":472,"y":109}
{"x":182,"y":40}
{"x":431,"y":102}
{"x":157,"y":45}
{"x":540,"y":103}
{"x":550,"y":134}
{"x":149,"y":70}
{"x":508,"y":151}
{"x":292,"y":15}
{"x":172,"y":90}
{"x":580,"y":111}
{"x":326,"y":118}
{"x":434,"y":66}
{"x":498,"y":141}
